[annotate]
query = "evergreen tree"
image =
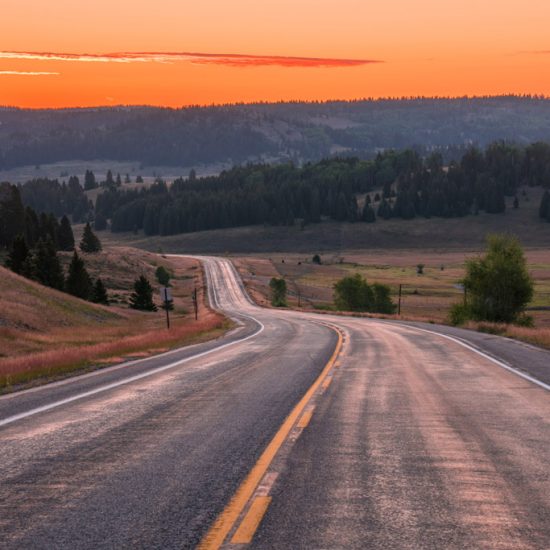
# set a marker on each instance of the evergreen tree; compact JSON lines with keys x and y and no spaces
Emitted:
{"x":46,"y":268}
{"x":12,"y":214}
{"x":118,"y":181}
{"x":78,"y":282}
{"x":109,"y":180}
{"x":89,"y":180}
{"x":99,"y":293}
{"x":142,"y":297}
{"x":65,"y":235}
{"x":18,"y":255}
{"x":89,"y":243}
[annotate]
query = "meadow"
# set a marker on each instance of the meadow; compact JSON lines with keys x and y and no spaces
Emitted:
{"x":425,"y":297}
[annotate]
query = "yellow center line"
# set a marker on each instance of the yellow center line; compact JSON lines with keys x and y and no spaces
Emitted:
{"x":226,"y":520}
{"x":246,"y":530}
{"x":306,"y":417}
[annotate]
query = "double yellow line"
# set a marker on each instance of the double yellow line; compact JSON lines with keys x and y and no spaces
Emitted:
{"x":227,"y":519}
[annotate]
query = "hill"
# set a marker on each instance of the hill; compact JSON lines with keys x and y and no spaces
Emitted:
{"x":45,"y":333}
{"x":199,"y":136}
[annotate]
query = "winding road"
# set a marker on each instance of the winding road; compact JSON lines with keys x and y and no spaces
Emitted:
{"x":293,"y":431}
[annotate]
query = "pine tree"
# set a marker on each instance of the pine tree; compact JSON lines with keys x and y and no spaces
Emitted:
{"x":89,"y":180}
{"x":89,"y":243}
{"x":18,"y":255}
{"x":65,"y":237}
{"x":46,"y":268}
{"x":78,"y":281}
{"x":99,"y":293}
{"x":142,"y":297}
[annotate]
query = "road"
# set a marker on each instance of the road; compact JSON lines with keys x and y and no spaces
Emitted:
{"x":294,"y":431}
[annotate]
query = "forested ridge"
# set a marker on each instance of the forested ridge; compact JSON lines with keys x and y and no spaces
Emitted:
{"x":236,"y":134}
{"x":395,"y":184}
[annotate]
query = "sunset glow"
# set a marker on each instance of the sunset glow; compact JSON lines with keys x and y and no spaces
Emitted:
{"x":170,"y":52}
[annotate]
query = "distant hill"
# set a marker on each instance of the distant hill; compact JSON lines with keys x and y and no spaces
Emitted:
{"x":274,"y":132}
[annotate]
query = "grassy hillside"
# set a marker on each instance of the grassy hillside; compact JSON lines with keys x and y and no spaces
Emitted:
{"x":45,"y":333}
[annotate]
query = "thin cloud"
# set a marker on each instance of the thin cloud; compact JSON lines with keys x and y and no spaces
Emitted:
{"x":27,"y":73}
{"x":232,"y":60}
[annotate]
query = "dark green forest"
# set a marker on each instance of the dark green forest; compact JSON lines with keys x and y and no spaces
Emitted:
{"x":236,"y":134}
{"x":393,"y":185}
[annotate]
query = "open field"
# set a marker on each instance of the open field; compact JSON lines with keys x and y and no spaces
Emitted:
{"x":46,"y":333}
{"x":63,"y":170}
{"x":425,"y":297}
{"x":460,"y":234}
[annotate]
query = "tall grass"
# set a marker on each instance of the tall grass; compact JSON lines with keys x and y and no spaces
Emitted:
{"x":67,"y":358}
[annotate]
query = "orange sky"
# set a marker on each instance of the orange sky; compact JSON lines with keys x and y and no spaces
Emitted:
{"x":425,"y":47}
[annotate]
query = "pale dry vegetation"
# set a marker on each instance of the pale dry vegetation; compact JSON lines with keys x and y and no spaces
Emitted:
{"x":46,"y":333}
{"x":426,"y":297}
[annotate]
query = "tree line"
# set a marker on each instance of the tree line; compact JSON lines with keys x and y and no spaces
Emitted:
{"x":396,"y":184}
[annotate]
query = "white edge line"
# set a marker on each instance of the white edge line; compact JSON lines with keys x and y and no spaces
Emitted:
{"x":101,"y":389}
{"x":479,"y":352}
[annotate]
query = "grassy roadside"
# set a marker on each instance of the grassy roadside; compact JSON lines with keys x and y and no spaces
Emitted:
{"x":426,"y":298}
{"x":46,"y":334}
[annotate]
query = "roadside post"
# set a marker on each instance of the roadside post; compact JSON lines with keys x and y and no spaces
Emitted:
{"x":166,"y":297}
{"x":399,"y":303}
{"x":196,"y":303}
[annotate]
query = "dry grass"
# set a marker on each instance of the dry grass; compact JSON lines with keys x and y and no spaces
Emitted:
{"x":67,"y":358}
{"x":426,"y":297}
{"x":45,"y":333}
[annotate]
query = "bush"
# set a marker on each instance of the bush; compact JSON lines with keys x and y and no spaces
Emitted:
{"x":498,"y":285}
{"x":278,"y":292}
{"x":459,"y":314}
{"x":355,"y":294}
{"x":525,"y":321}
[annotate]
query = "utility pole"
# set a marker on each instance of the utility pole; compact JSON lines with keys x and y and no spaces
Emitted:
{"x":399,"y":303}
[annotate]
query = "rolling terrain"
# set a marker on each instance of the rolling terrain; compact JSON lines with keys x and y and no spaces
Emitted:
{"x":294,"y":431}
{"x":45,"y":334}
{"x":203,"y":137}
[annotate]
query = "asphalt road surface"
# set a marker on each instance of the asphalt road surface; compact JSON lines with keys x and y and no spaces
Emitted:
{"x":294,"y":431}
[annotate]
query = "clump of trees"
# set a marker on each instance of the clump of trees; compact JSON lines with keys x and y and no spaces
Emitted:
{"x":498,"y":286}
{"x":278,"y":292}
{"x":353,"y":293}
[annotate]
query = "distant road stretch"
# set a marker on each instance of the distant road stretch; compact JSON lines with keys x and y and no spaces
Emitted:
{"x":294,"y":431}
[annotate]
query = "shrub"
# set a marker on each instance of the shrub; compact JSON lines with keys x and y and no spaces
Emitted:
{"x":278,"y":292}
{"x":459,"y":314}
{"x":498,"y":285}
{"x":353,"y":293}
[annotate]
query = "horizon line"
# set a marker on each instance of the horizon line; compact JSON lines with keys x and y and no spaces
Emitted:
{"x":540,"y":97}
